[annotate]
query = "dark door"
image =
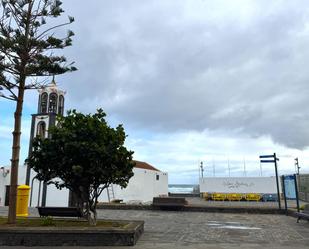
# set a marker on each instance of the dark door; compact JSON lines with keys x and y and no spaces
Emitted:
{"x":7,"y":195}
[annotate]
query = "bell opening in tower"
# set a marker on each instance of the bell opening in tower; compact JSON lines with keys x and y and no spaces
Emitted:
{"x":61,"y":105}
{"x":44,"y":103}
{"x":53,"y":103}
{"x":41,"y":129}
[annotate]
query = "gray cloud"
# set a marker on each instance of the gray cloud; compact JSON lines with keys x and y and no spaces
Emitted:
{"x":195,"y":65}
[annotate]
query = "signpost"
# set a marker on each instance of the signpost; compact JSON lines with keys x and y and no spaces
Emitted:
{"x":273,"y":159}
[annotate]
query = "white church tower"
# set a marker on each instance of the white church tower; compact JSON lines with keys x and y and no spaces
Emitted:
{"x":50,"y":104}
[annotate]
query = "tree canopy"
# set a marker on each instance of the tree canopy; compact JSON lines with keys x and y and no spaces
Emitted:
{"x":85,"y":155}
{"x":27,"y":43}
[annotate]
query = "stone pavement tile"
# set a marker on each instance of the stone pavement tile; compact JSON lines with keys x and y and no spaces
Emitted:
{"x":210,"y":230}
{"x":188,"y":246}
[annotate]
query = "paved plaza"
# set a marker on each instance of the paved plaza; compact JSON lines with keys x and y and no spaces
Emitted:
{"x":170,"y":229}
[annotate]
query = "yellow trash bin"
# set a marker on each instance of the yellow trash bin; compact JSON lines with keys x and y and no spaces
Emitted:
{"x":22,"y":200}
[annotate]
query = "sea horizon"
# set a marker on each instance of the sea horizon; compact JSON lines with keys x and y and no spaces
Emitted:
{"x":181,"y":188}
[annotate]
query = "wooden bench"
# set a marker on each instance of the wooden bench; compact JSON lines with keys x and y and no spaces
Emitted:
{"x":304,"y":214}
{"x":60,"y":211}
{"x":169,"y":203}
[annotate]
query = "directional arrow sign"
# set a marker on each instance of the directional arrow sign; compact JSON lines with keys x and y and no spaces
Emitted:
{"x":267,"y":161}
{"x":267,"y":156}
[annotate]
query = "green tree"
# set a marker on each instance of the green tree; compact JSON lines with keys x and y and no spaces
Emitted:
{"x":27,"y":46}
{"x":85,"y":155}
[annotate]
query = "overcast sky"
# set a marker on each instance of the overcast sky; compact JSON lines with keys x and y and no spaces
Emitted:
{"x":190,"y":80}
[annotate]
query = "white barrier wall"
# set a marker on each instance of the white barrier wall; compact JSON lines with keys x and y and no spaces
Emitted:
{"x":238,"y":184}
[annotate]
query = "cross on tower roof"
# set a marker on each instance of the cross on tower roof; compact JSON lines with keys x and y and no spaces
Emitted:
{"x":53,"y":82}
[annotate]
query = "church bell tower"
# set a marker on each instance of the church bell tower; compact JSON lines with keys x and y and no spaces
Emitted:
{"x":50,"y":104}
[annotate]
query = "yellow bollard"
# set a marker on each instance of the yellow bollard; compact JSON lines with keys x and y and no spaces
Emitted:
{"x":205,"y":195}
{"x":22,"y":200}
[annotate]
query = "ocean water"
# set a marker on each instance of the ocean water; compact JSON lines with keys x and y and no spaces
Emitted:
{"x":181,"y":188}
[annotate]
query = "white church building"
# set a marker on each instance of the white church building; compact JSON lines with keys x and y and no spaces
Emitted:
{"x":146,"y":183}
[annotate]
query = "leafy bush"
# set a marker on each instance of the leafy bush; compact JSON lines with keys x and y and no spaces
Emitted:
{"x":48,"y":221}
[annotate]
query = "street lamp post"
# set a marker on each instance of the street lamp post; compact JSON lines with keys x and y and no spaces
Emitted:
{"x":202,"y":170}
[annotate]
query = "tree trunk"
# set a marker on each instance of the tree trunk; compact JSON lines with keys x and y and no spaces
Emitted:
{"x":17,"y":121}
{"x":92,"y":218}
{"x":15,"y":153}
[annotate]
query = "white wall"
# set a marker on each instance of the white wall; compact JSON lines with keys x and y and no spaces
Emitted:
{"x":238,"y":184}
{"x":4,"y":180}
{"x":55,"y":197}
{"x":143,"y":186}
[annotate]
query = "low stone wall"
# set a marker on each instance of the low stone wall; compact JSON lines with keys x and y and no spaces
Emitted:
{"x":124,"y":206}
{"x":72,"y":236}
{"x":247,"y":210}
{"x":196,"y":208}
{"x":184,"y":194}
